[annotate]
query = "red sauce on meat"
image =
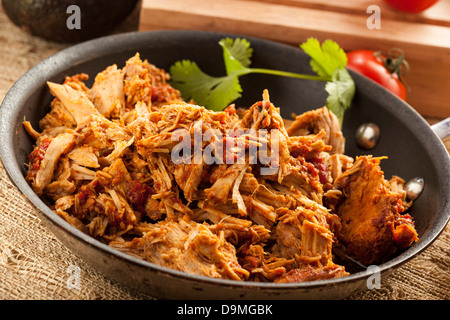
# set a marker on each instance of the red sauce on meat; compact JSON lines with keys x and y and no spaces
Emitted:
{"x":138,"y":194}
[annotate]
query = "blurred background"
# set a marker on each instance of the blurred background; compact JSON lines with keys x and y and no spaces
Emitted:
{"x":420,"y":29}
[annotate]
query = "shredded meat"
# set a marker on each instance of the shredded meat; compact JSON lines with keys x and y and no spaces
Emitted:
{"x":316,"y":120}
{"x":187,"y":246}
{"x":107,"y":92}
{"x":232,"y":194}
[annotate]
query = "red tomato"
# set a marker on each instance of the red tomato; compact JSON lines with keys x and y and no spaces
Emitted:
{"x":379,"y":69}
{"x":412,"y":6}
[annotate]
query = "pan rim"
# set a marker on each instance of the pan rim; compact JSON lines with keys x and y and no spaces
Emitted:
{"x":96,"y":48}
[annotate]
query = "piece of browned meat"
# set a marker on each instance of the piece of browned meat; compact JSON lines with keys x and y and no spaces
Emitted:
{"x":373,"y":227}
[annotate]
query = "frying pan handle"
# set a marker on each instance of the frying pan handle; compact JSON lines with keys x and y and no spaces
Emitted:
{"x":442,"y":128}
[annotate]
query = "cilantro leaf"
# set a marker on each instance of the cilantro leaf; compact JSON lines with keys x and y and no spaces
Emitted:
{"x":228,"y":90}
{"x":325,"y":59}
{"x":236,"y":54}
{"x":213,"y":92}
{"x":216,"y":93}
{"x":329,"y":60}
{"x":341,"y":90}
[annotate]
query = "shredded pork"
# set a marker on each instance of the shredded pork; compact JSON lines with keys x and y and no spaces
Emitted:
{"x":109,"y":160}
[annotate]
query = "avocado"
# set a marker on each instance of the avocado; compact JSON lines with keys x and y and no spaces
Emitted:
{"x":70,"y":20}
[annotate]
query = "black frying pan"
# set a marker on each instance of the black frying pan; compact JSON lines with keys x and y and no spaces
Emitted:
{"x":406,"y":138}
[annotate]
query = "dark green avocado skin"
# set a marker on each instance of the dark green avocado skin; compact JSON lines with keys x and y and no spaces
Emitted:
{"x":48,"y":18}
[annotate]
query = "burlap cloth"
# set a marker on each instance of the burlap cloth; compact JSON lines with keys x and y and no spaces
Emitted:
{"x":34,"y":264}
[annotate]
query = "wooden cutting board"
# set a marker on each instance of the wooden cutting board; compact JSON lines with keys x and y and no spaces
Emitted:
{"x":425,"y":37}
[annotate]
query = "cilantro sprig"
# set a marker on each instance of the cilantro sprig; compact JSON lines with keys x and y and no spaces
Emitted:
{"x":328,"y":61}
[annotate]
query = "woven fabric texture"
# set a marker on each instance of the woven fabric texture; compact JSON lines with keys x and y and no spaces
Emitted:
{"x":35,"y":265}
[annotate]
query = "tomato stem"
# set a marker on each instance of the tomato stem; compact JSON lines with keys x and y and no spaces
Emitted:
{"x":395,"y":63}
